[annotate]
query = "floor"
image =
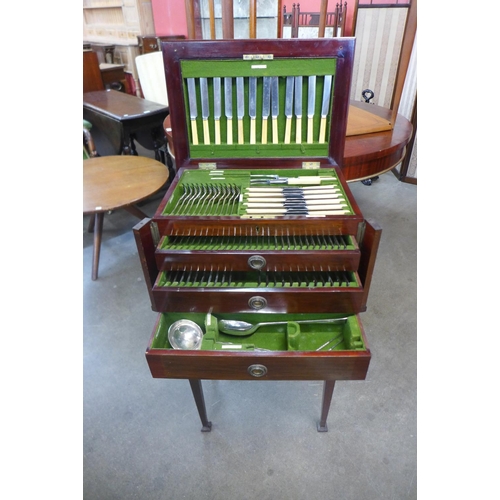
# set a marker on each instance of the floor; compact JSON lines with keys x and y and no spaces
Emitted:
{"x":141,"y":436}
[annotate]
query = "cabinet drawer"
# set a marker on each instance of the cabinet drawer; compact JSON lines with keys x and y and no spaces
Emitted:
{"x":284,"y":292}
{"x":229,"y":203}
{"x":273,"y":352}
{"x":266,"y":253}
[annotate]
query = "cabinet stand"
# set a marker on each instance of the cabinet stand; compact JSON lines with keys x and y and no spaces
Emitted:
{"x":199,"y":399}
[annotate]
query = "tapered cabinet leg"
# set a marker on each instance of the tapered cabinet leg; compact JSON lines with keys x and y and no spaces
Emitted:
{"x":328,"y":386}
{"x":199,"y":399}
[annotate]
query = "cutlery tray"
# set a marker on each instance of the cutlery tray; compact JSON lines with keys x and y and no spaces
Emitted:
{"x":281,"y":80}
{"x":273,"y":352}
{"x":290,"y":336}
{"x":225,"y":193}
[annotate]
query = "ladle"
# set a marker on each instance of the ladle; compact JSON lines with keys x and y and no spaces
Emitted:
{"x":242,"y":328}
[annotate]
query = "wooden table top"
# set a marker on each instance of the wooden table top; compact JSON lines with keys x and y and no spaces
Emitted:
{"x":377,"y":143}
{"x":120,"y":105}
{"x":111,"y":182}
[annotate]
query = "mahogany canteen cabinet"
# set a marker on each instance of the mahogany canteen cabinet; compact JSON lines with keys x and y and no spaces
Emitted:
{"x":259,"y":224}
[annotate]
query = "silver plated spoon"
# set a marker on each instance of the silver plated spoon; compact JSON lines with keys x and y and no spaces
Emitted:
{"x":242,"y":328}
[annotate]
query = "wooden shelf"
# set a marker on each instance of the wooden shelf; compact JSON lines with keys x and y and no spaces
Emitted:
{"x":117,"y":6}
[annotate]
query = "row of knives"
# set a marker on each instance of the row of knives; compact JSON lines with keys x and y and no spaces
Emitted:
{"x":246,"y":102}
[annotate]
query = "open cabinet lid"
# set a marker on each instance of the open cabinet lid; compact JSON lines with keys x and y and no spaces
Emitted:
{"x":259,"y":103}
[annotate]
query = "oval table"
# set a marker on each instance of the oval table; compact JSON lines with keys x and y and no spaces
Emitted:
{"x":365,"y":155}
{"x":113,"y":182}
{"x":368,"y":155}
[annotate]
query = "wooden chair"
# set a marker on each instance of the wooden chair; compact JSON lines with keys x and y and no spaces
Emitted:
{"x":321,"y":20}
{"x":151,"y":72}
{"x":89,"y":150}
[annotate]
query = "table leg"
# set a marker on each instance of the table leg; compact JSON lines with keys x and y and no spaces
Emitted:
{"x":132,"y":209}
{"x":90,"y":228}
{"x":133,"y":150}
{"x":128,"y":147}
{"x":99,"y":217}
{"x":325,"y":405}
{"x":159,"y":141}
{"x":197,"y":390}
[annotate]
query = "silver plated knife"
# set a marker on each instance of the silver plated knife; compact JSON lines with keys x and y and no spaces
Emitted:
{"x":228,"y":107}
{"x":325,"y":106}
{"x":311,"y":98}
{"x":193,"y":109}
{"x":298,"y":109}
{"x":252,"y":106}
{"x":274,"y":107}
{"x":205,"y":112}
{"x":240,"y":106}
{"x":217,"y":108}
{"x":266,"y":106}
{"x":288,"y":108}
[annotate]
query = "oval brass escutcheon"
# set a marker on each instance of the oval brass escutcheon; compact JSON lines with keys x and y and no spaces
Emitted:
{"x":257,"y":303}
{"x":256,"y":262}
{"x":257,"y":370}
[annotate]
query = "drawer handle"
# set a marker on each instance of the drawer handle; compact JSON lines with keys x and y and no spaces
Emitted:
{"x":256,"y":262}
{"x":257,"y":303}
{"x":257,"y":370}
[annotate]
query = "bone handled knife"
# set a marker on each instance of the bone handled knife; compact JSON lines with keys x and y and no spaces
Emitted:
{"x":293,"y":181}
{"x":193,"y":109}
{"x":292,"y":211}
{"x":298,"y":109}
{"x":240,"y":105}
{"x":217,"y":108}
{"x":325,"y":106}
{"x":274,"y":107}
{"x":310,"y":206}
{"x":228,"y":107}
{"x":311,"y":97}
{"x":320,"y":188}
{"x":205,"y":112}
{"x":266,"y":106}
{"x":288,"y":108}
{"x":313,"y":200}
{"x":252,"y":106}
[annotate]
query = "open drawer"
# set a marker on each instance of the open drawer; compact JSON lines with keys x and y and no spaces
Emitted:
{"x":284,"y":292}
{"x":290,"y":288}
{"x":264,"y":252}
{"x":292,"y":350}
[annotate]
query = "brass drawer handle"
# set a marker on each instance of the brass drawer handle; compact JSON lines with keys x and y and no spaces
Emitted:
{"x":257,"y":302}
{"x":256,"y":262}
{"x":257,"y":370}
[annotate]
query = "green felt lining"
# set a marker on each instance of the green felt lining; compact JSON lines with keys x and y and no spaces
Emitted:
{"x":253,"y":243}
{"x":279,"y":67}
{"x":288,"y":337}
{"x":241,"y":180}
{"x":256,"y":279}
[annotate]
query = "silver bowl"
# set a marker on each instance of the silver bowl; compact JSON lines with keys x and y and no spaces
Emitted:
{"x":185,"y":334}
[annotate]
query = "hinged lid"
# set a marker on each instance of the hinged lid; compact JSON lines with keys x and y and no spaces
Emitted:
{"x":259,"y":103}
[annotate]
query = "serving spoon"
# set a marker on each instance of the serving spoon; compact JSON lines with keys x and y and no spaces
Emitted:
{"x":242,"y":328}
